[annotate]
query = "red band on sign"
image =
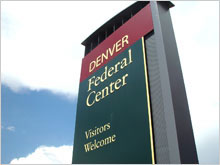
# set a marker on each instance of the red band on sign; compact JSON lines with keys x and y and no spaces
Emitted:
{"x":138,"y":26}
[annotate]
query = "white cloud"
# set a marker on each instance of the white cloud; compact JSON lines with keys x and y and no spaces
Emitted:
{"x":196,"y":26}
{"x":41,"y":50}
{"x":41,"y":42}
{"x":47,"y":155}
{"x":10,"y":128}
{"x":198,"y":44}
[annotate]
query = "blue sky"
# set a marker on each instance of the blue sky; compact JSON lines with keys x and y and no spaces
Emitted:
{"x":39,"y":118}
{"x":41,"y":56}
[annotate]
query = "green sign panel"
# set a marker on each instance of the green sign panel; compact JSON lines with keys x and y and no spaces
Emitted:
{"x":113,"y":122}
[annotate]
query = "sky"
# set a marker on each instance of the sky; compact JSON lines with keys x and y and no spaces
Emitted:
{"x":41,"y":55}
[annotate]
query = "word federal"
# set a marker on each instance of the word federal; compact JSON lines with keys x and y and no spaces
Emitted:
{"x":96,"y":96}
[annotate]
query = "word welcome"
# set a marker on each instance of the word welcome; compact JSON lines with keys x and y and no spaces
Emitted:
{"x":98,"y":143}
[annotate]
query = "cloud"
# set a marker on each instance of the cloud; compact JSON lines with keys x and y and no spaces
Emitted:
{"x":47,"y":155}
{"x":10,"y":128}
{"x":42,"y":50}
{"x":196,"y":26}
{"x":198,"y":46}
{"x":210,"y":143}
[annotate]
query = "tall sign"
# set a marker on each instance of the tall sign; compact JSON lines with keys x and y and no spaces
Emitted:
{"x":114,"y":119}
{"x":113,"y":114}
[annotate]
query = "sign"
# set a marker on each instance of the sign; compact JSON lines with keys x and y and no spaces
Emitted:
{"x":113,"y":120}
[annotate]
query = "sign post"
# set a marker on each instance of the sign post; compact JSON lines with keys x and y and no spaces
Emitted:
{"x":117,"y":110}
{"x":115,"y":125}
